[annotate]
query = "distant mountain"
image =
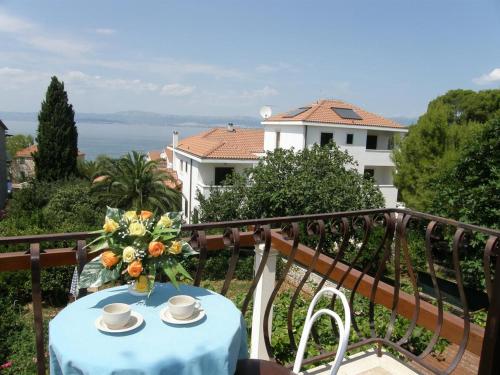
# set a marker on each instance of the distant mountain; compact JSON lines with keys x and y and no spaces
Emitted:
{"x":140,"y":117}
{"x":405,"y":120}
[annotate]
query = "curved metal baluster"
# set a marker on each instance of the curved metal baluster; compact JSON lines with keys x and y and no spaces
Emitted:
{"x":260,"y":234}
{"x":231,"y":238}
{"x":458,"y":239}
{"x":488,"y":250}
{"x":199,"y":242}
{"x":381,"y":268}
{"x":294,"y":234}
{"x":401,"y":236}
{"x":402,"y":222}
{"x":367,"y":228}
{"x":315,"y":228}
{"x":344,"y":228}
{"x":431,"y":228}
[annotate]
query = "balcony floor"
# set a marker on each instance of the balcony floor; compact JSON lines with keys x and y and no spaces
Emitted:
{"x":367,"y":363}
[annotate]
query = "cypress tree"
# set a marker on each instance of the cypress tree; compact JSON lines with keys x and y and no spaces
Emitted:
{"x":57,"y":136}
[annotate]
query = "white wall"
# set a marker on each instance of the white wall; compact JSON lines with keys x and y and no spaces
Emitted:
{"x":290,"y":136}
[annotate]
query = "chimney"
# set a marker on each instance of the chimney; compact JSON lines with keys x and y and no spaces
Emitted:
{"x":175,"y":139}
{"x":230,"y":127}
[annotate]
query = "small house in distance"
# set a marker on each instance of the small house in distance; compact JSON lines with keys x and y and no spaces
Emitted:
{"x":22,"y":167}
{"x":205,"y":159}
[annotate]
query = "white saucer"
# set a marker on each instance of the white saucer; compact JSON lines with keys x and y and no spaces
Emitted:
{"x":134,"y":292}
{"x":168,"y":318}
{"x":135,"y":321}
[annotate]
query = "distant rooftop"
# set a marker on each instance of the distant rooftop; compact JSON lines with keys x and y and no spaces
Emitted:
{"x":221,"y":143}
{"x":330,"y":111}
{"x":28,"y":151}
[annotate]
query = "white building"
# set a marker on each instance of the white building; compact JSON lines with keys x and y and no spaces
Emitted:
{"x":368,"y":137}
{"x":203,"y":160}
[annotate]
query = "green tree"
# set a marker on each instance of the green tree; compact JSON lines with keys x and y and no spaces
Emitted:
{"x":18,"y":142}
{"x":469,"y":191}
{"x":57,"y":136}
{"x":433,"y":145}
{"x":285,"y":182}
{"x":133,"y":182}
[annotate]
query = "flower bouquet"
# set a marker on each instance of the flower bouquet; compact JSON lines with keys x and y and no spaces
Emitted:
{"x":136,"y":244}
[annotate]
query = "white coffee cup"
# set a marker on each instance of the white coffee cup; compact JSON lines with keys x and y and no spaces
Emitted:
{"x":116,"y":315}
{"x":182,"y":306}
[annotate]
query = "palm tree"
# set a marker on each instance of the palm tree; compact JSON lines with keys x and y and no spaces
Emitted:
{"x":133,"y":182}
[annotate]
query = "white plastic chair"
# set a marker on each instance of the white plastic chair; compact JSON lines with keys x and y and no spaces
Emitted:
{"x":343,"y":326}
{"x":262,"y":367}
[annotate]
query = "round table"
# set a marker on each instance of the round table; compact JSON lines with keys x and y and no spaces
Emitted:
{"x":210,"y":346}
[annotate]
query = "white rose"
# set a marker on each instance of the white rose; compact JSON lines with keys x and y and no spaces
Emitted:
{"x":128,"y":254}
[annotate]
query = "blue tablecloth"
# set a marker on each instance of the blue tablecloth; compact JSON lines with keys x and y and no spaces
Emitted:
{"x":210,"y":346}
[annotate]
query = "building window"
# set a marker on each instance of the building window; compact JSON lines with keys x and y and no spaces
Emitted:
{"x":185,"y":166}
{"x":278,"y":140}
{"x":182,"y":165}
{"x":371,"y":142}
{"x":326,"y":138}
{"x":221,"y":174}
{"x":186,"y":207}
{"x":390,"y":143}
{"x":21,"y":161}
{"x":369,"y":173}
{"x":350,"y":139}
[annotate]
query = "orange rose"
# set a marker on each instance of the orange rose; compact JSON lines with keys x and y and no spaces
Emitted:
{"x":109,"y":259}
{"x":146,"y":215}
{"x":156,"y":248}
{"x":134,"y":269}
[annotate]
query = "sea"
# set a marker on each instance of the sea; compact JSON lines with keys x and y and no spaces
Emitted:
{"x":115,"y":139}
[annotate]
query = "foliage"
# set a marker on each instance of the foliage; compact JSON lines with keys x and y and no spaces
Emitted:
{"x":469,"y":191}
{"x":286,"y":182}
{"x":141,"y":244}
{"x":434,"y":144}
{"x":57,"y":136}
{"x":87,"y":169}
{"x":17,"y":142}
{"x":133,"y":182}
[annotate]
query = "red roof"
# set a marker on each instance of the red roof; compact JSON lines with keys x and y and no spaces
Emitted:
{"x":322,"y":112}
{"x":219,"y":143}
{"x":28,"y":151}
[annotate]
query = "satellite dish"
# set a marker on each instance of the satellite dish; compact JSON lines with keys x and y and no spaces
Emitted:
{"x":265,"y":112}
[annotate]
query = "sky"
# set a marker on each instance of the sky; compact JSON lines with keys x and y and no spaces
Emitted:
{"x":232,"y":57}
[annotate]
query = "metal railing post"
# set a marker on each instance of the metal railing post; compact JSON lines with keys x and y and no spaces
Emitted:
{"x":261,"y":297}
{"x":36,"y":291}
{"x":489,"y":363}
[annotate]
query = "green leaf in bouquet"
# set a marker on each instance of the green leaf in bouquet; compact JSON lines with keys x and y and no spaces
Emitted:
{"x":94,"y":274}
{"x":181,"y":270}
{"x":170,"y":268}
{"x":187,"y":249}
{"x":98,"y":246}
{"x":151,"y":278}
{"x":114,"y":213}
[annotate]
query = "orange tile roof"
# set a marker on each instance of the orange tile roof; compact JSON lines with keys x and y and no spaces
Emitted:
{"x":170,"y":154}
{"x":26,"y":152}
{"x":321,"y":111}
{"x":154,"y":155}
{"x":219,"y":143}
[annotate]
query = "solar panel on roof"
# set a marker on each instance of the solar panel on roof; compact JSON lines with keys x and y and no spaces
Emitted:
{"x":347,"y":113}
{"x":296,"y":112}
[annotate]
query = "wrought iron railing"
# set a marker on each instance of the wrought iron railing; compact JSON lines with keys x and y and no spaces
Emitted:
{"x":381,"y":258}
